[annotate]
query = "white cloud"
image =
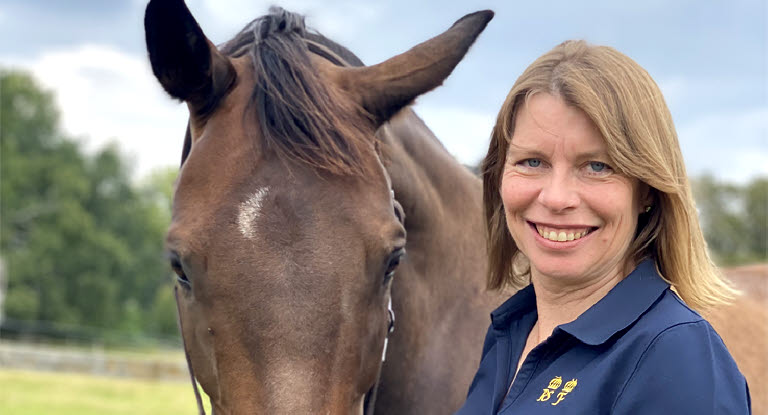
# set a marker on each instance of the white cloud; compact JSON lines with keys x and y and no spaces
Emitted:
{"x":105,"y":95}
{"x":464,"y":132}
{"x":731,"y":146}
{"x":685,"y":95}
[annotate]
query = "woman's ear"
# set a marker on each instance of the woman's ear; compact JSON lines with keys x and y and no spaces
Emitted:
{"x":646,"y":197}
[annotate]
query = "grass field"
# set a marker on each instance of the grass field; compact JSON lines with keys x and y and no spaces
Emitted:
{"x":43,"y":393}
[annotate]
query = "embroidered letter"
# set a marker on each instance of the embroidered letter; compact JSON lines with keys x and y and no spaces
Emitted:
{"x":560,"y":397}
{"x":544,"y":395}
{"x":566,"y":390}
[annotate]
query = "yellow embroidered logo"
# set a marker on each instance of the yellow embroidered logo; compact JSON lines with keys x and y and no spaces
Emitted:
{"x":569,"y":385}
{"x":566,"y":390}
{"x":554,"y":384}
{"x":545,"y":395}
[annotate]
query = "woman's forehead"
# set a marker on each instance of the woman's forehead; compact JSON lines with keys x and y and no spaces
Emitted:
{"x":546,"y":123}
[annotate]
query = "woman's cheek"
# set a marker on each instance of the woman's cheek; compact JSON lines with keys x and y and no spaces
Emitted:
{"x":517,"y":192}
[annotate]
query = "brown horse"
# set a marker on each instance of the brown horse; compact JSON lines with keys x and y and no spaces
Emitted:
{"x":743,"y":326}
{"x":302,"y":173}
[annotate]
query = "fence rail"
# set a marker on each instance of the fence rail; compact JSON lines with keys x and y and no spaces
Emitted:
{"x":59,"y":333}
{"x":168,"y":366}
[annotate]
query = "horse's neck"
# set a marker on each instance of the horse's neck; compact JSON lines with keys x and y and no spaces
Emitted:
{"x":442,"y":200}
{"x":439,"y":293}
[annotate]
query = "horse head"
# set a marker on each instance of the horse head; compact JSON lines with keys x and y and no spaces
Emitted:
{"x":285,"y":232}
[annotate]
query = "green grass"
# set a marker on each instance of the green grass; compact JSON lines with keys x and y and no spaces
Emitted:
{"x":43,"y":393}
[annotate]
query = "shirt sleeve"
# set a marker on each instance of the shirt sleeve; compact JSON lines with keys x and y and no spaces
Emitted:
{"x":685,"y":370}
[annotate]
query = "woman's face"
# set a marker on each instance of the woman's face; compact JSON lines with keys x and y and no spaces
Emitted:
{"x":570,"y":214}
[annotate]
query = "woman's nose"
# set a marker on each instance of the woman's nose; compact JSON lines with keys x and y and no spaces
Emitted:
{"x":559,"y":192}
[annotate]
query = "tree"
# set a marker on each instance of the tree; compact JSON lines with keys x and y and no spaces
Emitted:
{"x":82,"y":244}
{"x":756,"y":217}
{"x":734,"y":218}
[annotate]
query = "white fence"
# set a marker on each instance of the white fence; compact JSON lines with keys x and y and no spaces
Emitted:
{"x":98,"y":362}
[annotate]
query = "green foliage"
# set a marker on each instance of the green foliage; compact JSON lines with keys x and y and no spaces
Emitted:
{"x":734,"y":218}
{"x":82,"y":243}
{"x":756,"y":216}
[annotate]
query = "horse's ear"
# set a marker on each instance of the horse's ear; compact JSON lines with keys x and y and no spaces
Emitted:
{"x":386,"y":88}
{"x":186,"y":63}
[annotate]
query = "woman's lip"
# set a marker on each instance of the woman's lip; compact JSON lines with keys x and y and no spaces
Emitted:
{"x":561,"y":226}
{"x":558,"y":245}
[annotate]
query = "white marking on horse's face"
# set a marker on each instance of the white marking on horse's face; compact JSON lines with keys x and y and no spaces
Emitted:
{"x":250,"y":210}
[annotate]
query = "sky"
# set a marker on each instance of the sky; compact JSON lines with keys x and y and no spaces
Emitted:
{"x":710,"y":59}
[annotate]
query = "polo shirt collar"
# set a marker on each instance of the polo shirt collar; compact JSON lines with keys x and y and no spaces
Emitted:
{"x":621,"y":307}
{"x":521,"y":303}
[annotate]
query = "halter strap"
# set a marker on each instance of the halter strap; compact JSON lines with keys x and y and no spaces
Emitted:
{"x":375,"y":389}
{"x":199,"y":400}
{"x":324,"y":51}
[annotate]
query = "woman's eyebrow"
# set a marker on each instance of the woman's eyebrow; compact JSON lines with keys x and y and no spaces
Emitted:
{"x":597,"y":154}
{"x":522,"y":149}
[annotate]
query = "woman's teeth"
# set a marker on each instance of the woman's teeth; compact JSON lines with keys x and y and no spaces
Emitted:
{"x":562,"y":235}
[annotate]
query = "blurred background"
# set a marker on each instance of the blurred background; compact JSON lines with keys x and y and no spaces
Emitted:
{"x":89,"y":147}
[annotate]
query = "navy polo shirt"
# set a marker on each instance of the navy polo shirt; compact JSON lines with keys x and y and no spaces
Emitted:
{"x":639,"y":350}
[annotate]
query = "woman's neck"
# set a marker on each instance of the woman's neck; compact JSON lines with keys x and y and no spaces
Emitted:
{"x":558,"y":304}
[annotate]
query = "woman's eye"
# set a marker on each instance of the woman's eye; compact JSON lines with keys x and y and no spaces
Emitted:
{"x":529,"y":163}
{"x":597,"y":166}
{"x":532,"y":163}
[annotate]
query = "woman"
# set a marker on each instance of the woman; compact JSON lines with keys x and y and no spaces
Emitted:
{"x":589,"y":213}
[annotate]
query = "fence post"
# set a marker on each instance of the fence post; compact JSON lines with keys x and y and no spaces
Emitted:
{"x":3,"y":289}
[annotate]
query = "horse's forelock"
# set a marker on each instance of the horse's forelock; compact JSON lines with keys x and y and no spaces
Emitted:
{"x":278,"y":21}
{"x":300,"y":119}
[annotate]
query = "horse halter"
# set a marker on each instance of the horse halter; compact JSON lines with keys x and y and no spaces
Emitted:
{"x":199,"y":400}
{"x":375,"y":389}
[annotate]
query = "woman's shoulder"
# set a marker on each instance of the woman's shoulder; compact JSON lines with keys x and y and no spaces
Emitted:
{"x":670,"y":313}
{"x":679,"y":327}
{"x":683,"y":359}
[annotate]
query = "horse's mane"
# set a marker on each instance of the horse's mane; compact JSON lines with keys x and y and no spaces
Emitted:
{"x":300,"y":119}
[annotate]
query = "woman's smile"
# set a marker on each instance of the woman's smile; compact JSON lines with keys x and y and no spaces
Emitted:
{"x":561,"y":237}
{"x":568,"y":211}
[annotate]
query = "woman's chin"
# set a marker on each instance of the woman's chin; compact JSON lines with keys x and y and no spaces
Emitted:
{"x":564,"y":270}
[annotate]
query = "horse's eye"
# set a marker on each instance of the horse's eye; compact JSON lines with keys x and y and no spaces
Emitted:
{"x":181,"y":277}
{"x":392,"y":264}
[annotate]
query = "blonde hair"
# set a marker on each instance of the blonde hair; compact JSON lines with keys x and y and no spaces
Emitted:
{"x":629,"y":110}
